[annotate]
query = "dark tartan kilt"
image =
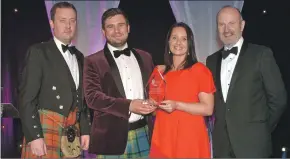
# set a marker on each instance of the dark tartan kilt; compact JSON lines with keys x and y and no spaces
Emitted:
{"x":52,"y":133}
{"x":137,"y":145}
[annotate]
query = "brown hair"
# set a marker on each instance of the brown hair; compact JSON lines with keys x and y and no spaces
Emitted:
{"x":112,"y":12}
{"x":60,"y":5}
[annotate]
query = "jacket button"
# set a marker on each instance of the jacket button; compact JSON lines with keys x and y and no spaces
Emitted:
{"x":57,"y":97}
{"x":61,"y":107}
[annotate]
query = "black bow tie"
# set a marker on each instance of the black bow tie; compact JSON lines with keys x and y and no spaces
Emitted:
{"x":226,"y":53}
{"x":71,"y":49}
{"x":118,"y":53}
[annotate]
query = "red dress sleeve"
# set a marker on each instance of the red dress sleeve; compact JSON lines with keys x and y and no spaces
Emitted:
{"x":205,"y":79}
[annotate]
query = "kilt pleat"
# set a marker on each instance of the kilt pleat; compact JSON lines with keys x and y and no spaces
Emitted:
{"x":137,"y":145}
{"x":52,"y":133}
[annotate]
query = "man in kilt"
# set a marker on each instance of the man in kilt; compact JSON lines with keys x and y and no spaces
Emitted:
{"x":114,"y":81}
{"x":51,"y":96}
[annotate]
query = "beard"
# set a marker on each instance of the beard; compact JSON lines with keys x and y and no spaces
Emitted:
{"x":117,"y":43}
{"x":229,"y":39}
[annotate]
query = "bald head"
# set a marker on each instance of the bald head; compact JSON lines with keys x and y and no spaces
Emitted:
{"x":233,"y":10}
{"x":230,"y":25}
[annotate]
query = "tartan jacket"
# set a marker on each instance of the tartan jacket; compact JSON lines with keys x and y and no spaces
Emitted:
{"x":46,"y":84}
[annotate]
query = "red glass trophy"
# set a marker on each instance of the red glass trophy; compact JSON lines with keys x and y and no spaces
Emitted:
{"x":155,"y":88}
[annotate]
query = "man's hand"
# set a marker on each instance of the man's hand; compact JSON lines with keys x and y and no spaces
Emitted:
{"x":38,"y":147}
{"x":141,"y":107}
{"x":85,"y":141}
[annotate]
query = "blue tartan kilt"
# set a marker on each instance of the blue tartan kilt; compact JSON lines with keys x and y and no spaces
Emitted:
{"x":137,"y":145}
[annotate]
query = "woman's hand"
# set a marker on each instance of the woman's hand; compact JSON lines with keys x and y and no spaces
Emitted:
{"x":168,"y":105}
{"x":151,"y":102}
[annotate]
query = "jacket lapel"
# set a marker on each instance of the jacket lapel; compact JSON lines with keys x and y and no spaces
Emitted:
{"x":145,"y":77}
{"x":218,"y":75}
{"x":80,"y":60}
{"x":114,"y":71}
{"x":238,"y":67}
{"x":60,"y":65}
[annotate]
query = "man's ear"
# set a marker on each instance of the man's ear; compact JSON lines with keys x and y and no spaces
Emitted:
{"x":51,"y":23}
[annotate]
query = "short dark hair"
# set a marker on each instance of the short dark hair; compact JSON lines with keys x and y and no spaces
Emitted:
{"x":190,"y":58}
{"x":60,"y":5}
{"x":112,"y":12}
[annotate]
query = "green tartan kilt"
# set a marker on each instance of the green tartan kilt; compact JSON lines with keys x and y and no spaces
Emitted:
{"x":137,"y":145}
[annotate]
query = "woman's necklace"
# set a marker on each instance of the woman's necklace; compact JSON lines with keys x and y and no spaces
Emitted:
{"x":179,"y":67}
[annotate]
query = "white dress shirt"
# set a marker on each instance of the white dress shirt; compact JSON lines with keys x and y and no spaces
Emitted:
{"x":227,"y":68}
{"x":71,"y":62}
{"x":131,"y":78}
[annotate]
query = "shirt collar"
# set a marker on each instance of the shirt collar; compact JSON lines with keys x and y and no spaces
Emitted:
{"x":59,"y":43}
{"x":238,"y":44}
{"x":112,"y":48}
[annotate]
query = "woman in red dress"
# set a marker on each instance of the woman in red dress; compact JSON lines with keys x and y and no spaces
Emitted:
{"x":180,"y":130}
